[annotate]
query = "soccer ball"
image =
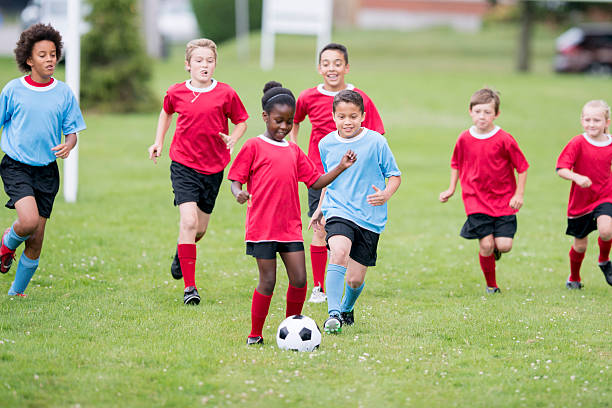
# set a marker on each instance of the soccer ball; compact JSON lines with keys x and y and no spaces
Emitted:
{"x":298,"y":333}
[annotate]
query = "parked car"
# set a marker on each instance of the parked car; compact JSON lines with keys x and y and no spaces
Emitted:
{"x":586,"y":48}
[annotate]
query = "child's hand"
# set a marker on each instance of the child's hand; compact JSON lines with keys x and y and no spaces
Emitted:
{"x":516,"y":202}
{"x":378,"y":198}
{"x":583,"y":181}
{"x":445,"y":195}
{"x":243,"y":196}
{"x":62,"y":150}
{"x":229,"y":142}
{"x":154,"y":152}
{"x":348,"y":159}
{"x":315,"y":221}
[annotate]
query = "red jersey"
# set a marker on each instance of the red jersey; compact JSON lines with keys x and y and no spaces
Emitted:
{"x":202,"y":114}
{"x":592,"y":159}
{"x":317,"y":103}
{"x":486,"y":165}
{"x":271,"y":170}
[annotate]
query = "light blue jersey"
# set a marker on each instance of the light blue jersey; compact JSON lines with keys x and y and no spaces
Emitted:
{"x":34,"y":118}
{"x":346,"y":197}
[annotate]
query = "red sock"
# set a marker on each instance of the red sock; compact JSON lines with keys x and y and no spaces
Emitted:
{"x":487,"y":264}
{"x":575,"y":263}
{"x":259,"y":312}
{"x":604,"y":250}
{"x":295,"y":300}
{"x":318,"y":260}
{"x":187,"y":257}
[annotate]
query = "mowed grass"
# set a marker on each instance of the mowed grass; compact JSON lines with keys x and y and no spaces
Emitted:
{"x":104,"y":323}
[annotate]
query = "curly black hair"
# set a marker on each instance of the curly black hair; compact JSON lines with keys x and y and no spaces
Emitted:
{"x":34,"y":34}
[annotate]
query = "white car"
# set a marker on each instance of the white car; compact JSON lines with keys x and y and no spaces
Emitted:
{"x":176,"y":22}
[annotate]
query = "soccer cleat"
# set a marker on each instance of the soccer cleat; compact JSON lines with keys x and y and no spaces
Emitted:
{"x":175,"y":268}
{"x":333,"y":324}
{"x":191,"y":296}
{"x":317,"y":296}
{"x":348,"y":318}
{"x":606,"y":268}
{"x":251,"y":341}
{"x":492,"y":290}
{"x":573,"y":285}
{"x":6,"y":255}
{"x":497,"y":254}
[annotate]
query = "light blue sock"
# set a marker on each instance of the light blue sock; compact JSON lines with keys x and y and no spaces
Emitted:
{"x":350,"y":297}
{"x":12,"y":240}
{"x":25,"y":271}
{"x":334,"y":285}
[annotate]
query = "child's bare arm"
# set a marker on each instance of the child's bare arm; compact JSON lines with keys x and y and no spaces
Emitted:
{"x":446,"y":194}
{"x":582,"y":181}
{"x":294,"y":133}
{"x":516,"y":202}
{"x":163,"y":123}
{"x":62,"y":150}
{"x":241,"y":195}
{"x":382,"y":196}
{"x":347,"y":161}
{"x":234,"y":136}
{"x":317,"y":215}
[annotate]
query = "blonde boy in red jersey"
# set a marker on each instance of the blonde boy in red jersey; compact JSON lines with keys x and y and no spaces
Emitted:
{"x":586,"y":161}
{"x":200,"y":150}
{"x":485,"y":159}
{"x":316,"y":103}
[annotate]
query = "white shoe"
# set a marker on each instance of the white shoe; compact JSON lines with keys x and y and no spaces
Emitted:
{"x":318,"y":296}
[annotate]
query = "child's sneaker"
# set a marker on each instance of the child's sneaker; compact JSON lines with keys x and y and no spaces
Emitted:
{"x":492,"y":290}
{"x":497,"y":254}
{"x":333,"y":324}
{"x":317,"y":296}
{"x":254,"y":340}
{"x":175,"y":268}
{"x":606,"y":268}
{"x":348,"y":318}
{"x":573,"y":285}
{"x":6,"y":255}
{"x":191,"y":296}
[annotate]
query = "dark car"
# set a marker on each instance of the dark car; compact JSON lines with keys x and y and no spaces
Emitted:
{"x":586,"y":48}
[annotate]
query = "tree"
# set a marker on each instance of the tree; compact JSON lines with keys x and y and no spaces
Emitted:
{"x":217,"y":19}
{"x":115,"y":70}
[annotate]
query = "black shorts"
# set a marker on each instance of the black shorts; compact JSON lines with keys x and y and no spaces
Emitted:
{"x":22,"y":180}
{"x":314,"y":196}
{"x":268,"y":250}
{"x":364,"y":241}
{"x":582,"y":226}
{"x":480,"y":225}
{"x":190,"y":186}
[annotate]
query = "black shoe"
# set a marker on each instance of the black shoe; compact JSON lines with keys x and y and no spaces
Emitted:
{"x":573,"y":285}
{"x":492,"y":290}
{"x":191,"y":296}
{"x":254,"y":340}
{"x":175,"y":268}
{"x":497,"y":254}
{"x":333,"y":324}
{"x":606,"y":268}
{"x":348,"y":318}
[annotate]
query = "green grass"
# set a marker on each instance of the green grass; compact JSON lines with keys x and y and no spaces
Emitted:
{"x":104,"y":324}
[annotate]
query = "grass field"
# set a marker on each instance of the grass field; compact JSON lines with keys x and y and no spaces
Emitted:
{"x":104,"y":323}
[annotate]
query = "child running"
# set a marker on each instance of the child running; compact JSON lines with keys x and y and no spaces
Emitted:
{"x":586,"y":162}
{"x":34,"y":112}
{"x":272,"y":167}
{"x":484,"y":159}
{"x":354,"y":219}
{"x":200,"y":151}
{"x":317,"y":104}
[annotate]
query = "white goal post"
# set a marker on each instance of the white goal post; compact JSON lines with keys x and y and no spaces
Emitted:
{"x":73,"y":79}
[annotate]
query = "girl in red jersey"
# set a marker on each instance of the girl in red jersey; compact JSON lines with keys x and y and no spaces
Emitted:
{"x":200,"y":150}
{"x":272,"y":167}
{"x":586,"y":161}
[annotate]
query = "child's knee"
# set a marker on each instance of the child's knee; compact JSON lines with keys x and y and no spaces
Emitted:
{"x":605,"y":233}
{"x":486,"y":246}
{"x":339,"y":256}
{"x":354,"y":281}
{"x":189,"y":222}
{"x":580,"y":245}
{"x":504,"y":246}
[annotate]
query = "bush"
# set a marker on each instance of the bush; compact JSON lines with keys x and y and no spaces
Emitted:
{"x":115,"y":69}
{"x":217,"y":18}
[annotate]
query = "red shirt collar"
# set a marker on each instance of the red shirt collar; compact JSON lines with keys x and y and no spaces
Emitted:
{"x":30,"y":81}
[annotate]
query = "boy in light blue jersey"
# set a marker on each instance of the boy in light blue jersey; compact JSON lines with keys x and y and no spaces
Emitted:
{"x":355,"y":219}
{"x":35,"y":110}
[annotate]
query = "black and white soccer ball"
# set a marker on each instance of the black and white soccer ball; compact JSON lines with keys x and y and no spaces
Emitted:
{"x":298,"y":333}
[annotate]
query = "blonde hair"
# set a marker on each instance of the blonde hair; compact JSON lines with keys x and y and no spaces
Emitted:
{"x":485,"y":95}
{"x":197,"y":43}
{"x":601,"y":104}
